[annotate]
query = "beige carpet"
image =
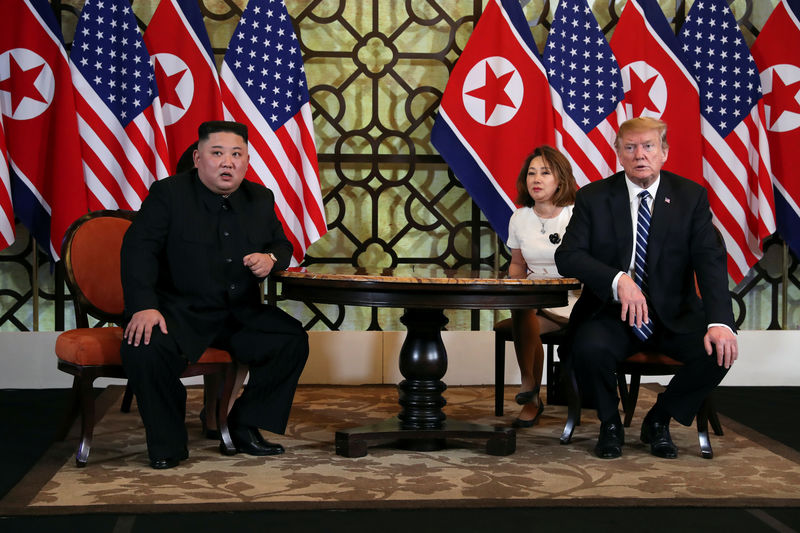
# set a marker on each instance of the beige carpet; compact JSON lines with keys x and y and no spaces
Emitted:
{"x":747,"y":470}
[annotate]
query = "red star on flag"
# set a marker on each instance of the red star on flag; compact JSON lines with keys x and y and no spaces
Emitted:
{"x":782,"y":98}
{"x":168,"y":92}
{"x":641,"y":88}
{"x":493,"y":92}
{"x":21,"y":84}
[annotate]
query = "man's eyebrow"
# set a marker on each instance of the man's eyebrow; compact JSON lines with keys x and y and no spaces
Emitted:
{"x":220,"y":146}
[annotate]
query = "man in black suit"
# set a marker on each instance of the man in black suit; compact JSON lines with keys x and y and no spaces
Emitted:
{"x":660,"y":300}
{"x":191,"y":265}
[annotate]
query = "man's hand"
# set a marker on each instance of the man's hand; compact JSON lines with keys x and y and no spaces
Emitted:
{"x":259,"y":264}
{"x":634,"y":305}
{"x":141,"y":326}
{"x":725,"y":343}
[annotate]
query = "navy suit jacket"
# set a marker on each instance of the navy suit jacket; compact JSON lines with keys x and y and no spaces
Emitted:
{"x":683,"y":243}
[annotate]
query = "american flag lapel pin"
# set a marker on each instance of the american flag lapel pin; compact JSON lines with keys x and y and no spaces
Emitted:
{"x":666,"y":199}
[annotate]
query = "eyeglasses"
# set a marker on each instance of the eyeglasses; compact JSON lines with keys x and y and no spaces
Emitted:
{"x":648,"y":148}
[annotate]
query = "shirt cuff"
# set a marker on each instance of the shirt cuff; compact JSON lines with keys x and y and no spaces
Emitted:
{"x":614,"y":286}
{"x":723,"y":325}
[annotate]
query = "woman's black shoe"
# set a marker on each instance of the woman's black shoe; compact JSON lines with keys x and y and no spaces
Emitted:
{"x":520,"y":423}
{"x":527,"y":397}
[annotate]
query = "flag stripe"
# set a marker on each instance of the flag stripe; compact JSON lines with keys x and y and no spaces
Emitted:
{"x":263,"y":85}
{"x":6,"y":208}
{"x":735,"y":152}
{"x":124,"y":147}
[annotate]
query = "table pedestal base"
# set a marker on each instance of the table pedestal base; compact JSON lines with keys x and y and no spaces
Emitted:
{"x":353,"y":442}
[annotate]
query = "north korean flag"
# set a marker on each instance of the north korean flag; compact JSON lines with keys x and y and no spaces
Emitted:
{"x":495,"y":110}
{"x":40,"y":123}
{"x":775,"y":54}
{"x":186,"y":75}
{"x":657,"y":83}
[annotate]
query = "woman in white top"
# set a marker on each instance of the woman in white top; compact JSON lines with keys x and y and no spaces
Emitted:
{"x":546,"y":190}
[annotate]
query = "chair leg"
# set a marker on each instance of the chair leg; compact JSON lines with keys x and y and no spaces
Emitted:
{"x":702,"y":431}
{"x":86,"y":398}
{"x":629,"y":403}
{"x":127,"y":399}
{"x":573,"y":408}
{"x":226,"y":443}
{"x":551,"y":381}
{"x":69,"y":418}
{"x":499,"y":373}
{"x":713,"y":417}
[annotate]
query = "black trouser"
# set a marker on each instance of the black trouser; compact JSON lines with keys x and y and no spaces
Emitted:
{"x":276,"y":353}
{"x":601,"y":343}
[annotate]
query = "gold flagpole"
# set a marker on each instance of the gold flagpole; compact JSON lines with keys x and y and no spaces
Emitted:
{"x":35,"y":285}
{"x":785,"y":287}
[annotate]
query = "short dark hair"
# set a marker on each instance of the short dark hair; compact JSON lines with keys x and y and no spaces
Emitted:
{"x":559,"y":166}
{"x":217,"y":126}
{"x":186,"y":161}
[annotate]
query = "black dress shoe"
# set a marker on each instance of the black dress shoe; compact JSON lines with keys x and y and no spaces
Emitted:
{"x":609,"y":443}
{"x":656,"y":434}
{"x":211,"y":434}
{"x":249,"y":440}
{"x":169,"y":462}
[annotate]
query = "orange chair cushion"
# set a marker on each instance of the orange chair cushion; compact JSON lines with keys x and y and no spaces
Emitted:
{"x":100,"y":346}
{"x":652,"y":358}
{"x":90,"y":346}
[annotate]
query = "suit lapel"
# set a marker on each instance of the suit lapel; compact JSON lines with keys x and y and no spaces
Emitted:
{"x":662,"y":213}
{"x":620,"y":213}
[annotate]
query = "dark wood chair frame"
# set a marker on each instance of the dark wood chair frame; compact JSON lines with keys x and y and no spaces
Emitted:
{"x":84,"y":375}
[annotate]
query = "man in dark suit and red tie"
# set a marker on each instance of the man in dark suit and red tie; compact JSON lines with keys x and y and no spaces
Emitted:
{"x":637,"y":240}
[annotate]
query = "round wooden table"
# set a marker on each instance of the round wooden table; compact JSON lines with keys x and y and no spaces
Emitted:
{"x":425,"y":292}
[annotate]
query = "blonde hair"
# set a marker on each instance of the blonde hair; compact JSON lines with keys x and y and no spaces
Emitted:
{"x":642,"y":124}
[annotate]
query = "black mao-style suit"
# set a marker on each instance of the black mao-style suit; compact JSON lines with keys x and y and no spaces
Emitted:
{"x":183,"y":255}
{"x":682,"y":243}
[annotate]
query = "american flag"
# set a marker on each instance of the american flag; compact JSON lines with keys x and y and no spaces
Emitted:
{"x":264,"y":87}
{"x":122,"y":134}
{"x":586,"y":88}
{"x":736,"y":162}
{"x":6,"y":208}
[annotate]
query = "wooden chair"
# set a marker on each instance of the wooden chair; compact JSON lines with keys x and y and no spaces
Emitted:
{"x":91,"y":255}
{"x":638,"y":365}
{"x":502,"y":335}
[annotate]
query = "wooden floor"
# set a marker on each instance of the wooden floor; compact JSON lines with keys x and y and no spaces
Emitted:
{"x":29,"y":419}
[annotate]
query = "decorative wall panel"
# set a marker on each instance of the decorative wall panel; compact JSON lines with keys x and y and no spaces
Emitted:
{"x":376,"y":71}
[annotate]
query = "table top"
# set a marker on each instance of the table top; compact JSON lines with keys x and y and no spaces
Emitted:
{"x":430,"y":274}
{"x":421,"y":286}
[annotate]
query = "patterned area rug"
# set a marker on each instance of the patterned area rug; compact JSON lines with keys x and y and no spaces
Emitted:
{"x":747,"y":470}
